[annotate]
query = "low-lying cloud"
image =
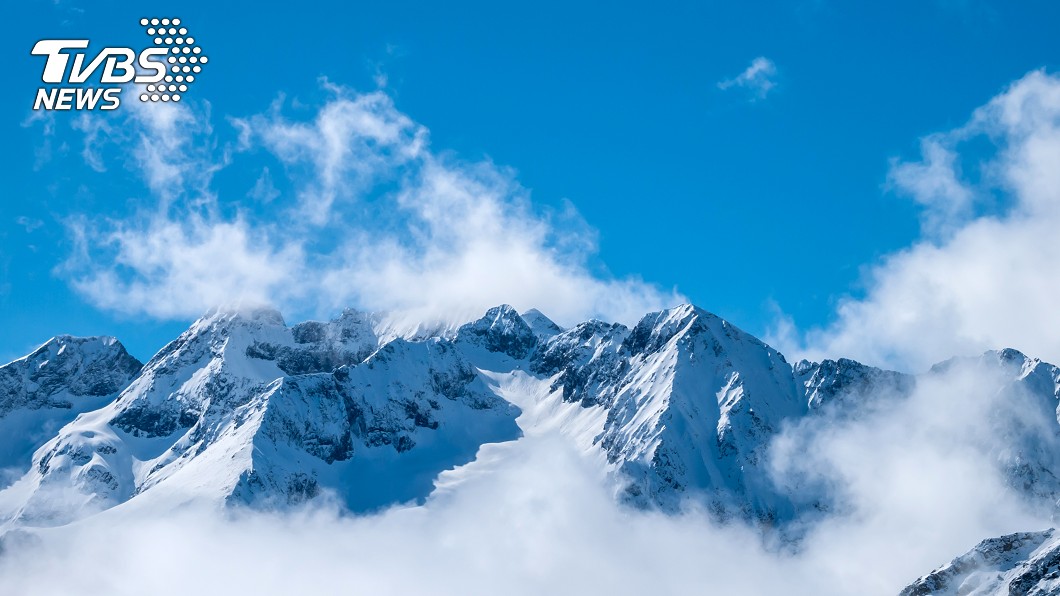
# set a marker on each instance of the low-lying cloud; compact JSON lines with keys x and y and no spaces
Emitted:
{"x":914,"y":483}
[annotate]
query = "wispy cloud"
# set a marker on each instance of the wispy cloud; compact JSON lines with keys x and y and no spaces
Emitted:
{"x":28,"y":223}
{"x":758,"y":79}
{"x":264,"y":190}
{"x":353,"y":141}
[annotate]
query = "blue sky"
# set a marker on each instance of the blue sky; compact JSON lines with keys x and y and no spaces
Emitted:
{"x":745,"y":200}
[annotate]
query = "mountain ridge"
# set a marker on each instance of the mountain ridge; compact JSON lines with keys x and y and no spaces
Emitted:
{"x":682,"y":409}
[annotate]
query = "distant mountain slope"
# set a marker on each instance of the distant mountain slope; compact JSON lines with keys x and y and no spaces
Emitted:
{"x":47,"y":388}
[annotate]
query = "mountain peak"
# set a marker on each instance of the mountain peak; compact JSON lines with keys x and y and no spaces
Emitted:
{"x":67,"y":355}
{"x":844,"y":382}
{"x":1010,"y":356}
{"x":501,"y":330}
{"x":502,"y":311}
{"x":242,"y":314}
{"x":352,"y":315}
{"x":1020,"y":563}
{"x":542,"y":326}
{"x":60,"y":343}
{"x":658,"y":328}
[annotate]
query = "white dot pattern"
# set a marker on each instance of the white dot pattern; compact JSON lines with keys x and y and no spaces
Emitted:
{"x":167,"y":33}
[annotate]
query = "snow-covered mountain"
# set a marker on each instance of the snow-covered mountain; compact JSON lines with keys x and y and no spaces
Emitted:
{"x":241,"y":407}
{"x":681,"y":410}
{"x":46,"y":389}
{"x":691,"y":402}
{"x":1026,"y":563}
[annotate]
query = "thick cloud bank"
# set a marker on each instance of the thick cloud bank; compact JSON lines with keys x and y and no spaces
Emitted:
{"x":985,"y":273}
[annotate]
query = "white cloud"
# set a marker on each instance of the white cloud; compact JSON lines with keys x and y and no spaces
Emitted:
{"x":183,"y":267}
{"x":43,"y":151}
{"x":173,"y":148}
{"x":475,"y":241}
{"x":264,"y":190}
{"x":987,"y":271}
{"x":379,"y":222}
{"x":170,"y":145}
{"x":352,"y":142}
{"x":93,"y":129}
{"x":914,"y":481}
{"x":757,"y":79}
{"x":935,"y":183}
{"x":29,"y":223}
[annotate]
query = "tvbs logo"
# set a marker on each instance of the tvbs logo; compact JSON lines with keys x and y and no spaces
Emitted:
{"x":161,"y":72}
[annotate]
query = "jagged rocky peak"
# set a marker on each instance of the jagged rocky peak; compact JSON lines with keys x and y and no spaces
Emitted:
{"x":260,"y":334}
{"x":500,"y":330}
{"x":542,"y":326}
{"x":217,"y":325}
{"x":45,"y":390}
{"x":587,"y":356}
{"x":394,"y":421}
{"x":1021,"y":563}
{"x":65,"y":368}
{"x":1032,"y":371}
{"x":323,"y":347}
{"x":352,"y":326}
{"x":692,"y":412}
{"x":216,"y":364}
{"x":657,"y":329}
{"x":1019,"y":376}
{"x":1008,"y":360}
{"x":241,"y":315}
{"x":1009,"y":356}
{"x":578,"y":345}
{"x":845,"y":381}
